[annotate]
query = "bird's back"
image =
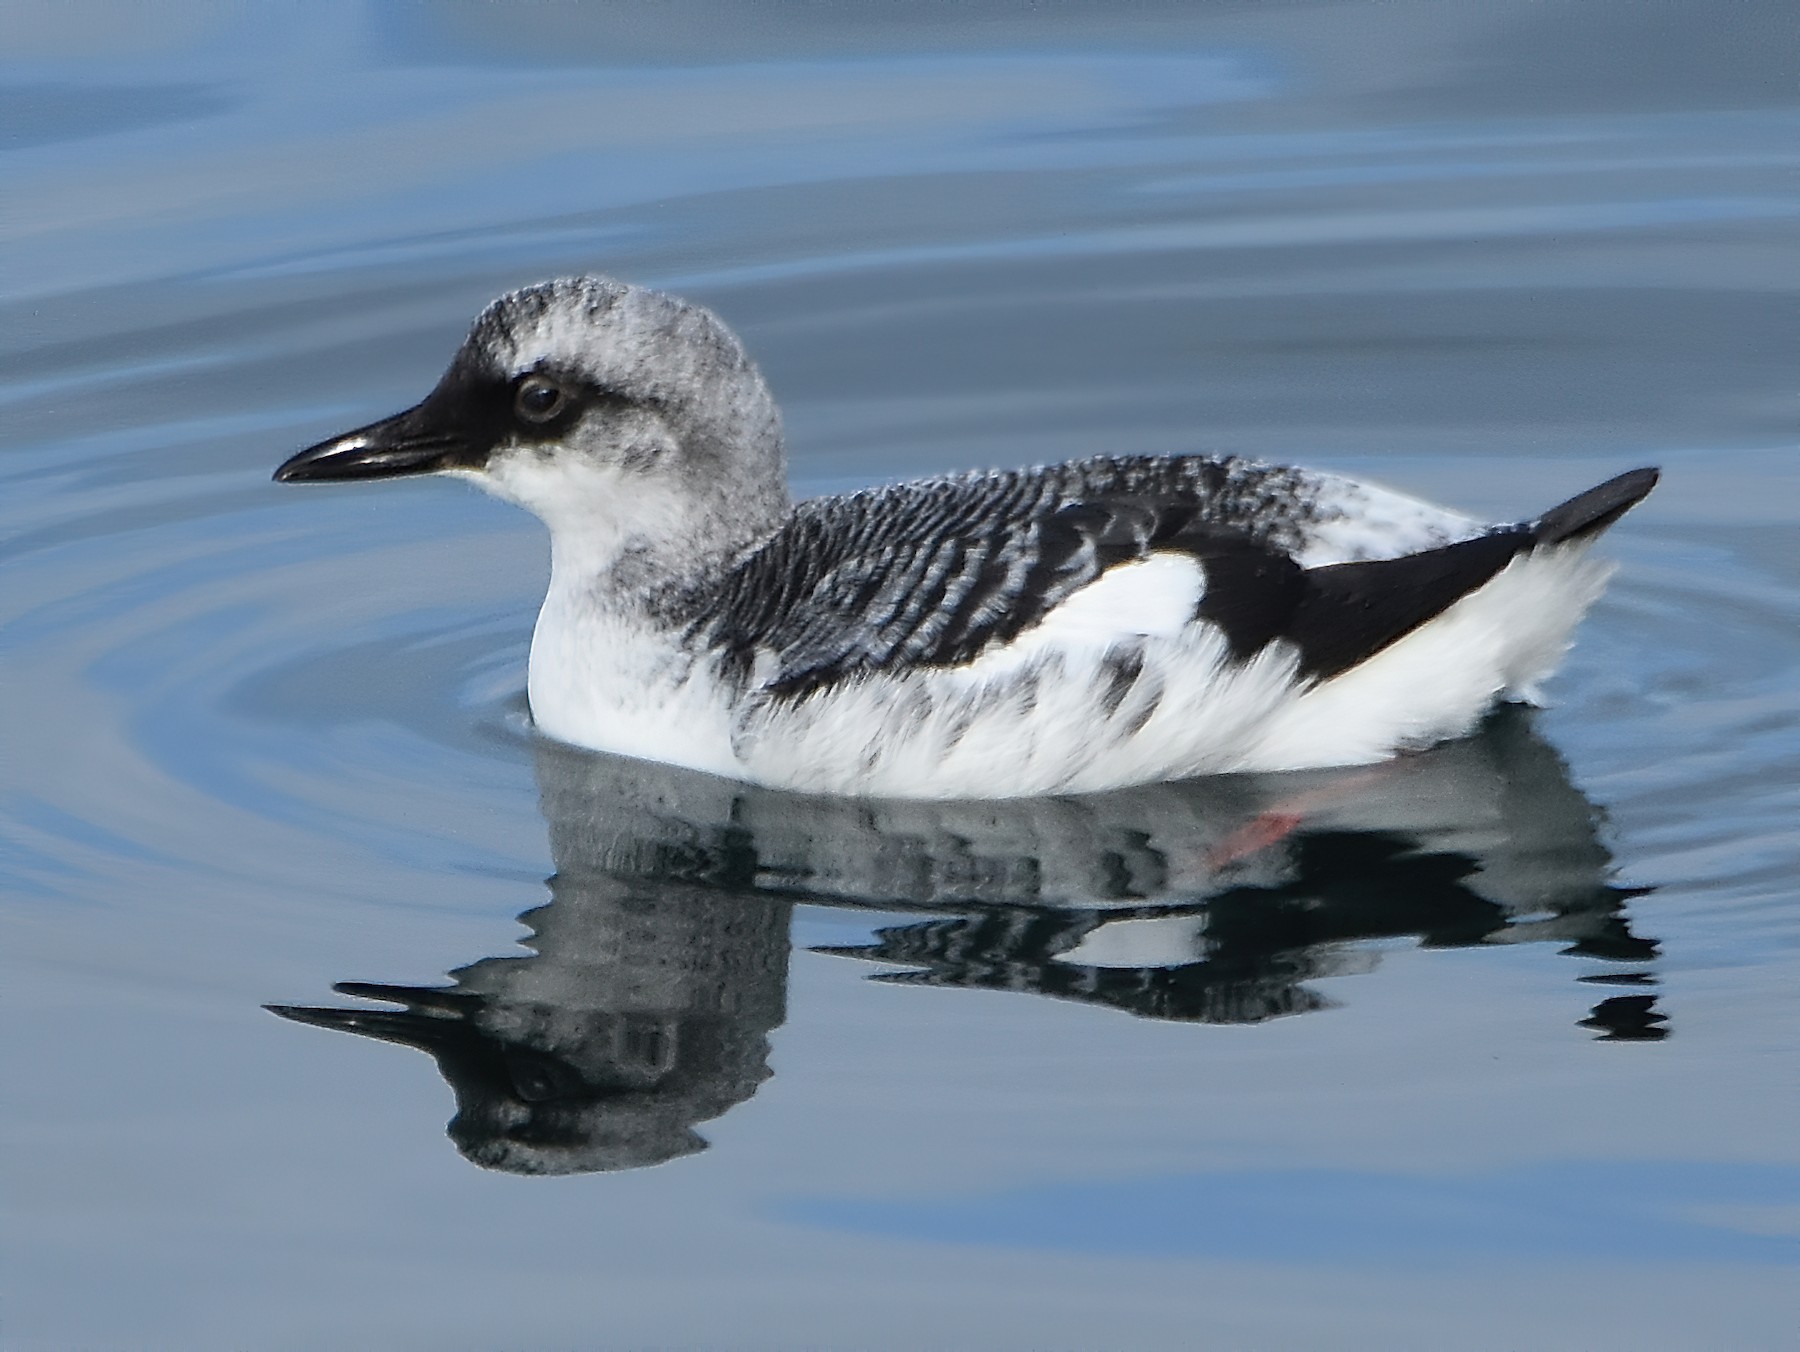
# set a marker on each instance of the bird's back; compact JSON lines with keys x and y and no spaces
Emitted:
{"x":930,"y":573}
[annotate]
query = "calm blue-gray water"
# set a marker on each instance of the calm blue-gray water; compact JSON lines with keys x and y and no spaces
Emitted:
{"x":1493,"y":1047}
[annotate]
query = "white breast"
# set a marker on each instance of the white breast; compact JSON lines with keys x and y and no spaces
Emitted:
{"x":598,"y":681}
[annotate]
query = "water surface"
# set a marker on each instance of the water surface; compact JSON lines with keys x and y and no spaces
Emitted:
{"x":1493,"y":1047}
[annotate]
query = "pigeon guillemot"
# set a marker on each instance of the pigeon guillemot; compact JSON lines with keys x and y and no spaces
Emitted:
{"x":1075,"y":627}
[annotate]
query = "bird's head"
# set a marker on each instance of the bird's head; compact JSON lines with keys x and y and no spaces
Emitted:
{"x":630,"y":421}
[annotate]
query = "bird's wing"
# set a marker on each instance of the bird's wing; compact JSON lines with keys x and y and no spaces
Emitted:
{"x":933,"y":574}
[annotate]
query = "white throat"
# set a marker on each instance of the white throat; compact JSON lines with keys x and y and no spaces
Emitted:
{"x":606,"y":673}
{"x":606,"y":670}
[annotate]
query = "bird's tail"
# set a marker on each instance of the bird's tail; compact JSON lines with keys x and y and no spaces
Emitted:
{"x":1587,"y":514}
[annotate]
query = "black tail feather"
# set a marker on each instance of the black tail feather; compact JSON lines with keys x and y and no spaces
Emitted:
{"x":1591,"y":512}
{"x":1351,"y":611}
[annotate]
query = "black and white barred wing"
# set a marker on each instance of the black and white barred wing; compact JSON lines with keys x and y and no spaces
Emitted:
{"x":915,"y":576}
{"x":934,"y":575}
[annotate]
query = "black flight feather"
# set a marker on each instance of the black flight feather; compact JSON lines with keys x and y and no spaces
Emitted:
{"x":1591,"y":512}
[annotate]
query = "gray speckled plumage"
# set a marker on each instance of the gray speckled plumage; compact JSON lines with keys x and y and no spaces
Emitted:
{"x":1077,"y":626}
{"x":931,"y":573}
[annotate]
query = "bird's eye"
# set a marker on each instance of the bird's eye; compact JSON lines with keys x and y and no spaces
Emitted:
{"x":539,"y":400}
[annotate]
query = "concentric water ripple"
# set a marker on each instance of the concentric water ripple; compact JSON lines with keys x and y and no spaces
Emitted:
{"x":1457,"y":1043}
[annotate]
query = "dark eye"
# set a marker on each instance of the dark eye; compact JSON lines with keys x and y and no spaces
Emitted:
{"x":539,"y":400}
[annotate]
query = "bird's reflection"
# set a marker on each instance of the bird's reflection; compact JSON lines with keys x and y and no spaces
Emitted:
{"x":659,"y":967}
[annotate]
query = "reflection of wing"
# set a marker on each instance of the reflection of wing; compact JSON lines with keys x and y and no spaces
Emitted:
{"x":1242,"y":955}
{"x":658,"y":969}
{"x":1165,"y":973}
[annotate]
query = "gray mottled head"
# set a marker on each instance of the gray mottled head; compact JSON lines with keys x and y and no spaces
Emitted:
{"x":632,"y":422}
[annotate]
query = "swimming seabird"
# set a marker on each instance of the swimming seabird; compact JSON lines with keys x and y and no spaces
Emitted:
{"x":1075,"y":627}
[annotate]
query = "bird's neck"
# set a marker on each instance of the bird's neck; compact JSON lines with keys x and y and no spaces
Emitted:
{"x":667,"y":545}
{"x":614,"y":662}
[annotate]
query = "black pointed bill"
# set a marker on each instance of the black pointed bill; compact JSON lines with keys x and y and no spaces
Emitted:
{"x":408,"y":443}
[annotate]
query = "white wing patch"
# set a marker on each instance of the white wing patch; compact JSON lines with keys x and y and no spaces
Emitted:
{"x":1152,"y":598}
{"x":1377,"y":523}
